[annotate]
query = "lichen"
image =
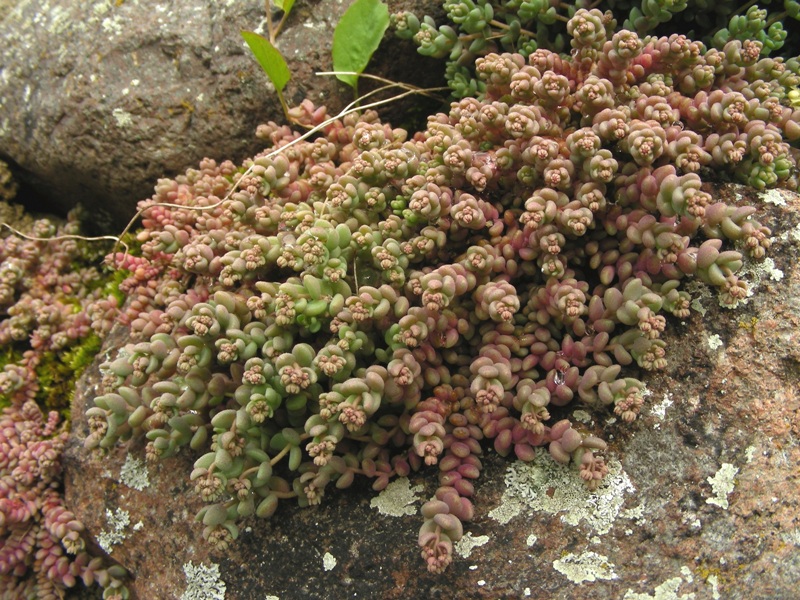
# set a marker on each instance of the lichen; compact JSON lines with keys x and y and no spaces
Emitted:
{"x":468,"y":543}
{"x":547,"y":486}
{"x":665,"y":591}
{"x":588,"y":566}
{"x":203,"y":582}
{"x":714,"y":342}
{"x":397,"y":499}
{"x":328,"y":561}
{"x":134,"y":473}
{"x":117,"y":521}
{"x":722,"y":484}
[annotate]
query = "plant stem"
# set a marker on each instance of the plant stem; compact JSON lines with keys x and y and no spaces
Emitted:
{"x":269,"y":22}
{"x":502,"y":25}
{"x":276,"y":459}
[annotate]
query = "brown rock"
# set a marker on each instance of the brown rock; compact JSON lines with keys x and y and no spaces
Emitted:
{"x":702,"y":503}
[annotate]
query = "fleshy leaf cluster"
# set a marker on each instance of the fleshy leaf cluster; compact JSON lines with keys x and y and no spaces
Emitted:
{"x":477,"y":28}
{"x":49,"y":280}
{"x":369,"y":302}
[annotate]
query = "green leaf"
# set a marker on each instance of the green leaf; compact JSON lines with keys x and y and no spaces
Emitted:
{"x":357,"y":36}
{"x":284,"y":5}
{"x":270,"y":59}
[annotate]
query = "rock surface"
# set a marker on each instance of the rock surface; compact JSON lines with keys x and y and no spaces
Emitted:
{"x":99,"y":99}
{"x":702,"y":501}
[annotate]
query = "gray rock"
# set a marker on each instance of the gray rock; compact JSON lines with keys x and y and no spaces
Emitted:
{"x":701,"y":503}
{"x":99,"y":99}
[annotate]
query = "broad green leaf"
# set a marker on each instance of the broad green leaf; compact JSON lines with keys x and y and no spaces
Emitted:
{"x":270,"y":59}
{"x":284,"y":5}
{"x":357,"y":36}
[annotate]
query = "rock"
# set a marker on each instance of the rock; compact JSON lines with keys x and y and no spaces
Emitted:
{"x":100,"y":99}
{"x":701,"y":503}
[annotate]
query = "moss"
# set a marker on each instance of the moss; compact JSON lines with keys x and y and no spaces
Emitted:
{"x":58,"y":372}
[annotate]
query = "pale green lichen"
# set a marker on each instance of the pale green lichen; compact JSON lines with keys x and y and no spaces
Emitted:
{"x":117,"y":521}
{"x":713,"y":581}
{"x":758,"y":272}
{"x":666,"y":591}
{"x":134,"y":473}
{"x":397,"y":499}
{"x":203,"y":582}
{"x":124,"y":119}
{"x":582,"y":416}
{"x":791,"y":236}
{"x":468,"y":543}
{"x":774,"y":196}
{"x":509,"y":508}
{"x":531,"y":540}
{"x":545,"y":485}
{"x":589,"y":566}
{"x":722,"y":484}
{"x":635,"y":514}
{"x":328,"y":561}
{"x":659,"y":410}
{"x":714,"y":342}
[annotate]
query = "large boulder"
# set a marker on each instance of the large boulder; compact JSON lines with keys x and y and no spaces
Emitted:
{"x":701,"y":501}
{"x":100,"y":99}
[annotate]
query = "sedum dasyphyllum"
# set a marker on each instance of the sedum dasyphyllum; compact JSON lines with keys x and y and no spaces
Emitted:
{"x":370,"y":301}
{"x":48,"y":280}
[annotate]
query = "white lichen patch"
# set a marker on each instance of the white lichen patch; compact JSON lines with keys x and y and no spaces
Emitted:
{"x":714,"y":342}
{"x":713,"y":581}
{"x":112,"y":25}
{"x":203,"y":582}
{"x":722,"y":484}
{"x":124,"y":119}
{"x":773,"y":197}
{"x":791,"y":236}
{"x":134,"y":473}
{"x":659,"y":411}
{"x":545,"y":485}
{"x":509,"y":508}
{"x":531,"y":540}
{"x":756,"y":272}
{"x":582,"y":416}
{"x":589,"y":566}
{"x":636,"y":514}
{"x":467,"y":543}
{"x":328,"y":561}
{"x":666,"y":591}
{"x":397,"y":499}
{"x":117,"y":521}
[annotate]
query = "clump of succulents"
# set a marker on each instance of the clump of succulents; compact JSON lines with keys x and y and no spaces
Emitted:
{"x":369,"y":302}
{"x":48,"y":279}
{"x":479,"y":27}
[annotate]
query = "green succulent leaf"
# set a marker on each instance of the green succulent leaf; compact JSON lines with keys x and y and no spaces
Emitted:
{"x":284,"y":5}
{"x":270,"y":59}
{"x":357,"y":36}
